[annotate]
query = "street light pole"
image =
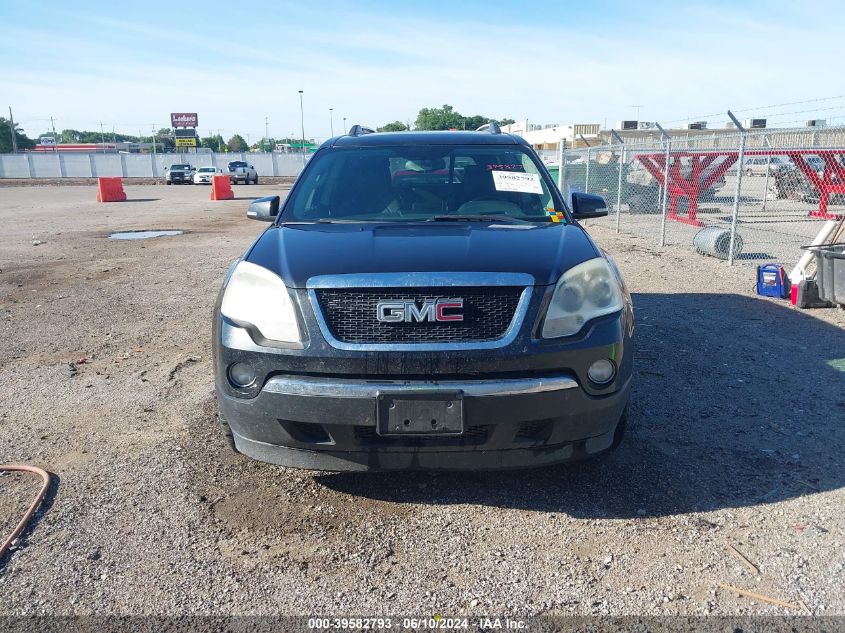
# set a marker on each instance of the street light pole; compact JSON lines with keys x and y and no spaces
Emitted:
{"x":331,"y":119}
{"x":344,"y":125}
{"x":302,"y":120}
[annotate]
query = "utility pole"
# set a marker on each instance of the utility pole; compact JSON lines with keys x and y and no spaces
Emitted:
{"x":637,"y":106}
{"x":331,"y":119}
{"x":55,"y":140}
{"x":344,"y":125}
{"x":154,"y":139}
{"x":266,"y":133}
{"x":12,"y":128}
{"x":113,"y":137}
{"x":302,"y":120}
{"x":102,"y":137}
{"x":14,"y":137}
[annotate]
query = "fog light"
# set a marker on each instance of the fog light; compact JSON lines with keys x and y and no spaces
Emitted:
{"x":241,"y":375}
{"x":602,"y":371}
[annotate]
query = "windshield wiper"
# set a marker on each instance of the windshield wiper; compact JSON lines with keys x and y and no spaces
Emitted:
{"x":503,"y":219}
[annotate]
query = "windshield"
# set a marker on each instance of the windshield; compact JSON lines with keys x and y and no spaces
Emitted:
{"x":423,"y":183}
{"x":236,"y":164}
{"x":208,"y":169}
{"x":180,"y":167}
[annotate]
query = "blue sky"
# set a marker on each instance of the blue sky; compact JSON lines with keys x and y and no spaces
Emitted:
{"x":128,"y":65}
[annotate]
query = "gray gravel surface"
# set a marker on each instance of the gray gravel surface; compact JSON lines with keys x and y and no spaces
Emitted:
{"x":105,"y":379}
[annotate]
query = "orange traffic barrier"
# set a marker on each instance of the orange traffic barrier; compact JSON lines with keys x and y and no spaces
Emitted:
{"x":110,"y":190}
{"x":221,"y":188}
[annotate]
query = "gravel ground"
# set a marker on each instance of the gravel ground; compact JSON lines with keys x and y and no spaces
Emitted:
{"x":105,"y":380}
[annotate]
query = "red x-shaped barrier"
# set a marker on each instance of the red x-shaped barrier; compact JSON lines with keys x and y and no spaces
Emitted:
{"x":698,"y":175}
{"x":831,"y":181}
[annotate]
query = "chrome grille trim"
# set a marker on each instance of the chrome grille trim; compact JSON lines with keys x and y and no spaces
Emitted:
{"x":413,"y":280}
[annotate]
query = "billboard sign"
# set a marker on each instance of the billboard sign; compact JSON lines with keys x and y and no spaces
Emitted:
{"x":183,"y":119}
{"x":186,"y":142}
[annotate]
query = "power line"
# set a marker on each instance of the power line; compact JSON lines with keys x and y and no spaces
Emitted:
{"x":777,"y":114}
{"x":766,"y":107}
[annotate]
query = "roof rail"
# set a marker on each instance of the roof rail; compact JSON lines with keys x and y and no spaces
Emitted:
{"x":359,"y":130}
{"x":491,"y":127}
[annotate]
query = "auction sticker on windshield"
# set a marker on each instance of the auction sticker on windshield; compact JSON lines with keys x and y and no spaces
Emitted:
{"x":517,"y":182}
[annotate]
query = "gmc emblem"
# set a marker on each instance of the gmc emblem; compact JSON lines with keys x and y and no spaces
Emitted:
{"x":410,"y":312}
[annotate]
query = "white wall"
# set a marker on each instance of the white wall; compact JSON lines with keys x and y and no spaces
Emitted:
{"x":57,"y":165}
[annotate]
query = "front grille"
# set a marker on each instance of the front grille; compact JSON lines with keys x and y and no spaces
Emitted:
{"x":534,"y":432}
{"x":473,"y":435}
{"x":350,"y":314}
{"x":305,"y":432}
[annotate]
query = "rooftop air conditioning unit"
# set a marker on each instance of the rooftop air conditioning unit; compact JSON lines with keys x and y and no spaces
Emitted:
{"x":754,"y":123}
{"x":817,"y":123}
{"x":697,"y":125}
{"x":646,"y":125}
{"x":626,"y":125}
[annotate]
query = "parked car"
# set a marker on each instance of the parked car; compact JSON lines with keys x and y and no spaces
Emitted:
{"x":181,"y":174}
{"x":240,"y":171}
{"x":792,"y":183}
{"x":457,"y":320}
{"x":757,"y":165}
{"x":203,"y":175}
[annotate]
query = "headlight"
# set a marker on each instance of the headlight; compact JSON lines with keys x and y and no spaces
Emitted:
{"x":587,"y":291}
{"x":259,"y":298}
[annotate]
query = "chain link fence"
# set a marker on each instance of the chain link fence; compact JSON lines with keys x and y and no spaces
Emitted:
{"x":744,"y":197}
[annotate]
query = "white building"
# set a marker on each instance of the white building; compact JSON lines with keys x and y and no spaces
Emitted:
{"x":547,"y":137}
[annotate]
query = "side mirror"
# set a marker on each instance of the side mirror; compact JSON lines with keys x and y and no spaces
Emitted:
{"x":263,"y":209}
{"x":586,"y":205}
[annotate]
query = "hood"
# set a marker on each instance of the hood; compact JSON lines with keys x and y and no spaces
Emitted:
{"x":298,"y":252}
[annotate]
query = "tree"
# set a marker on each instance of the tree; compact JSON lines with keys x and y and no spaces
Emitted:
{"x":396,"y":126}
{"x":237,"y":144}
{"x":444,"y":118}
{"x":214,"y":143}
{"x":447,"y":118}
{"x":507,"y":122}
{"x":23,"y":141}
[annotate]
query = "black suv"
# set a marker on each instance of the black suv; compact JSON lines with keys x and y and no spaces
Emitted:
{"x":423,"y":300}
{"x":182,"y":174}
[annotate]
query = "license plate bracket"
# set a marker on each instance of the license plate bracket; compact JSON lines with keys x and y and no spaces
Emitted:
{"x":424,"y":413}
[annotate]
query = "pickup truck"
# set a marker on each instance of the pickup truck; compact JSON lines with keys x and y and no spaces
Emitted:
{"x":182,"y":174}
{"x":240,"y":171}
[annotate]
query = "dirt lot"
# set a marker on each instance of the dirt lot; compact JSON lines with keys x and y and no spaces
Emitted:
{"x":105,"y":379}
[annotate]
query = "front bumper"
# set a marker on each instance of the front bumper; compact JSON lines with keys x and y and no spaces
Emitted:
{"x":329,"y":424}
{"x":528,"y":403}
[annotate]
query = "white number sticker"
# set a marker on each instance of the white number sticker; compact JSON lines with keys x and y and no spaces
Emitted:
{"x":519,"y":182}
